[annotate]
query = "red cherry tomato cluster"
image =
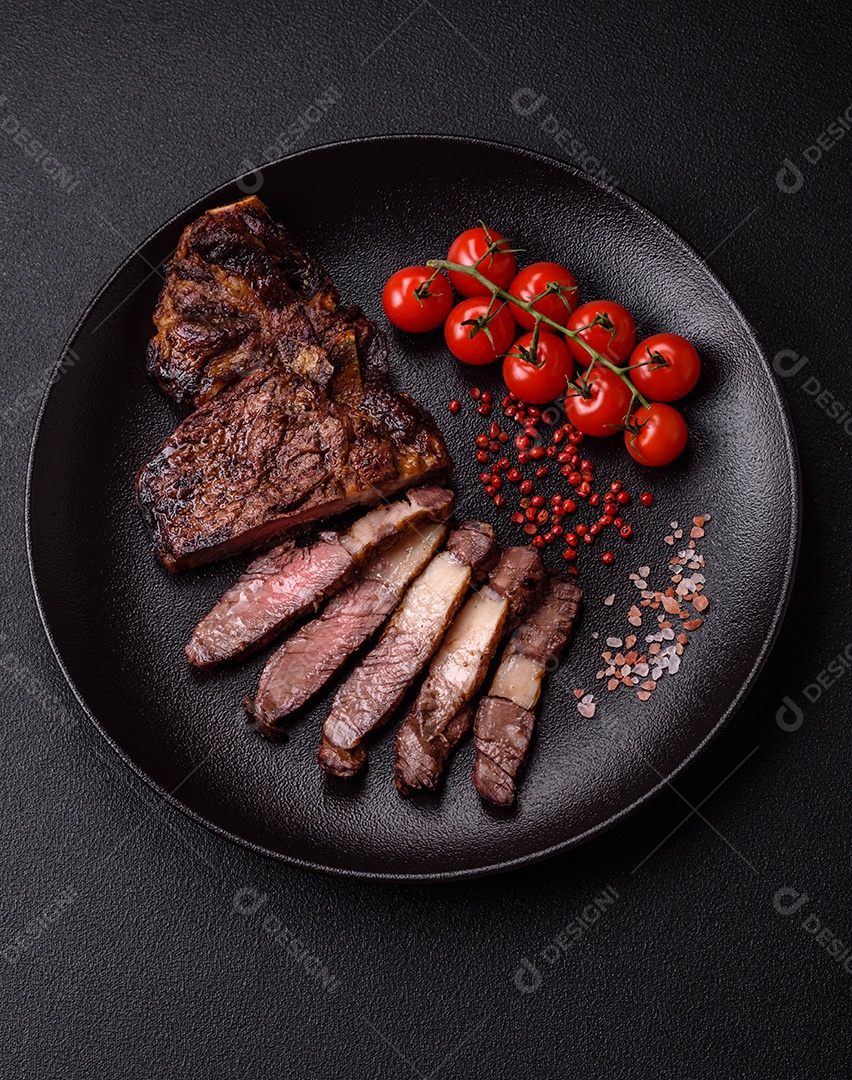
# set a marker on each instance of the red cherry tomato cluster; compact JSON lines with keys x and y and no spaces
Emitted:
{"x":621,"y":386}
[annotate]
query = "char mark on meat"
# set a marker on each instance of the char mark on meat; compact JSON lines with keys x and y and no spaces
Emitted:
{"x":265,"y":458}
{"x":505,"y":719}
{"x":300,"y":667}
{"x":473,"y":545}
{"x":437,"y":720}
{"x":238,"y":288}
{"x":288,"y":582}
{"x":297,"y":419}
{"x":371,"y":694}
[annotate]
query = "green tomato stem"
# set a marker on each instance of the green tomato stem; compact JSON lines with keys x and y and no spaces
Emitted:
{"x":496,"y":291}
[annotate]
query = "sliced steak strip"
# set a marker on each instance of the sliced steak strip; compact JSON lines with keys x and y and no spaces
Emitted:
{"x":307,"y":660}
{"x":432,"y":728}
{"x":503,"y":731}
{"x":505,"y":719}
{"x":287,"y":581}
{"x":373,"y":691}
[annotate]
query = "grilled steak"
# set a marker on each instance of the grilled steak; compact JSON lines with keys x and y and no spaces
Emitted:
{"x":268,"y":456}
{"x":505,"y":719}
{"x":240,"y":288}
{"x":307,"y":660}
{"x":297,"y":418}
{"x":372,"y":692}
{"x":288,"y":581}
{"x":434,"y":726}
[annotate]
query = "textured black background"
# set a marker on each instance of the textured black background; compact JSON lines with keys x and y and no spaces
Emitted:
{"x":150,"y":969}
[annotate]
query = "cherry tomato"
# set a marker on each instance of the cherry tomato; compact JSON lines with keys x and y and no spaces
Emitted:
{"x":601,"y":406}
{"x":474,"y":336}
{"x":541,"y":378}
{"x":610,"y":330}
{"x":473,"y":245}
{"x":657,"y":435}
{"x":550,"y":278}
{"x":411,"y":305}
{"x":664,"y":367}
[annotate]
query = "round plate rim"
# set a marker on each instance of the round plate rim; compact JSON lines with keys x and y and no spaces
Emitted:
{"x":787,"y":578}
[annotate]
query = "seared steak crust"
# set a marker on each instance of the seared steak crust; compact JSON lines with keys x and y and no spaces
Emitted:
{"x":439,"y":718}
{"x":505,"y":719}
{"x":265,"y":456}
{"x":237,"y":288}
{"x":297,"y":418}
{"x":503,"y":731}
{"x":240,"y":286}
{"x":473,"y":545}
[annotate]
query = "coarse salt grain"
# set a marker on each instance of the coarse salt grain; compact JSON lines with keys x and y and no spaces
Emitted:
{"x":665,"y":648}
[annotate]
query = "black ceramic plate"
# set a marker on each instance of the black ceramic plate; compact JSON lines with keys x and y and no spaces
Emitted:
{"x":118,"y":621}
